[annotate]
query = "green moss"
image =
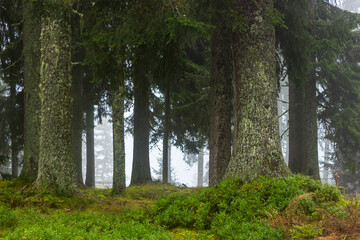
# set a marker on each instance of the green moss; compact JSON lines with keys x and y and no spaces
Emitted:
{"x":232,"y":210}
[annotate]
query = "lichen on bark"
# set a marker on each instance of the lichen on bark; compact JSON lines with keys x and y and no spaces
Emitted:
{"x":56,"y":161}
{"x":118,"y":97}
{"x":257,"y":148}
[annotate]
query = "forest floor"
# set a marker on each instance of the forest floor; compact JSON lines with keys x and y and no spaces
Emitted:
{"x":268,"y":208}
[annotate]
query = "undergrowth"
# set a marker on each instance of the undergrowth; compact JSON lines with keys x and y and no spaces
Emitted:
{"x":268,"y":208}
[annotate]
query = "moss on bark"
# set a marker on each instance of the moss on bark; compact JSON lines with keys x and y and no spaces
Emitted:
{"x":257,"y":148}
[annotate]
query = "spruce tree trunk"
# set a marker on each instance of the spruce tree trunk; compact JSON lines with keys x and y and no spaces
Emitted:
{"x":303,"y":156}
{"x":14,"y":161}
{"x":200,"y":177}
{"x":77,"y":79}
{"x":169,"y":161}
{"x":141,"y":164}
{"x":165,"y":166}
{"x":310,"y":165}
{"x":220,"y":90}
{"x":296,"y":104}
{"x":283,"y":111}
{"x":77,"y":120}
{"x":56,"y":161}
{"x":257,"y":149}
{"x":31,"y":53}
{"x":90,"y":150}
{"x":118,"y":95}
{"x":13,"y":137}
{"x":326,"y":159}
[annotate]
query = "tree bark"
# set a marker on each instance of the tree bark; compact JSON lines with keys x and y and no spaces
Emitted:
{"x":14,"y":161}
{"x":56,"y":161}
{"x":77,"y":80}
{"x":90,"y":150}
{"x":141,"y":163}
{"x":283,"y":115}
{"x":77,"y":120}
{"x":118,"y":95}
{"x":303,"y":156}
{"x":220,"y":90}
{"x":310,"y":165}
{"x":31,"y":53}
{"x":200,"y":177}
{"x":165,"y":166}
{"x":13,"y":137}
{"x":326,"y":159}
{"x":257,"y":149}
{"x":296,"y":127}
{"x":169,"y":161}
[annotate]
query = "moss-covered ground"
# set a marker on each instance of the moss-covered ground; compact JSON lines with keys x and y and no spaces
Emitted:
{"x":268,"y":208}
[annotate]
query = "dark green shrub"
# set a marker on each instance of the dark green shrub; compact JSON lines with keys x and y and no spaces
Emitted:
{"x":237,"y":207}
{"x":327,"y":193}
{"x":177,"y":210}
{"x":308,"y":206}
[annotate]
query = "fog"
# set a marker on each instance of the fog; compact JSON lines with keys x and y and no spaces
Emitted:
{"x":181,"y":173}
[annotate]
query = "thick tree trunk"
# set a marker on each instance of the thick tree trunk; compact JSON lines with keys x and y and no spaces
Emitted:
{"x":303,"y":156}
{"x":118,"y":95}
{"x":257,"y":149}
{"x":310,"y":165}
{"x":200,"y":177}
{"x":77,"y":79}
{"x":165,"y":166}
{"x":31,"y":53}
{"x":220,"y":89}
{"x":56,"y":162}
{"x":77,"y":120}
{"x":90,"y":147}
{"x":296,"y":104}
{"x":141,"y":164}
